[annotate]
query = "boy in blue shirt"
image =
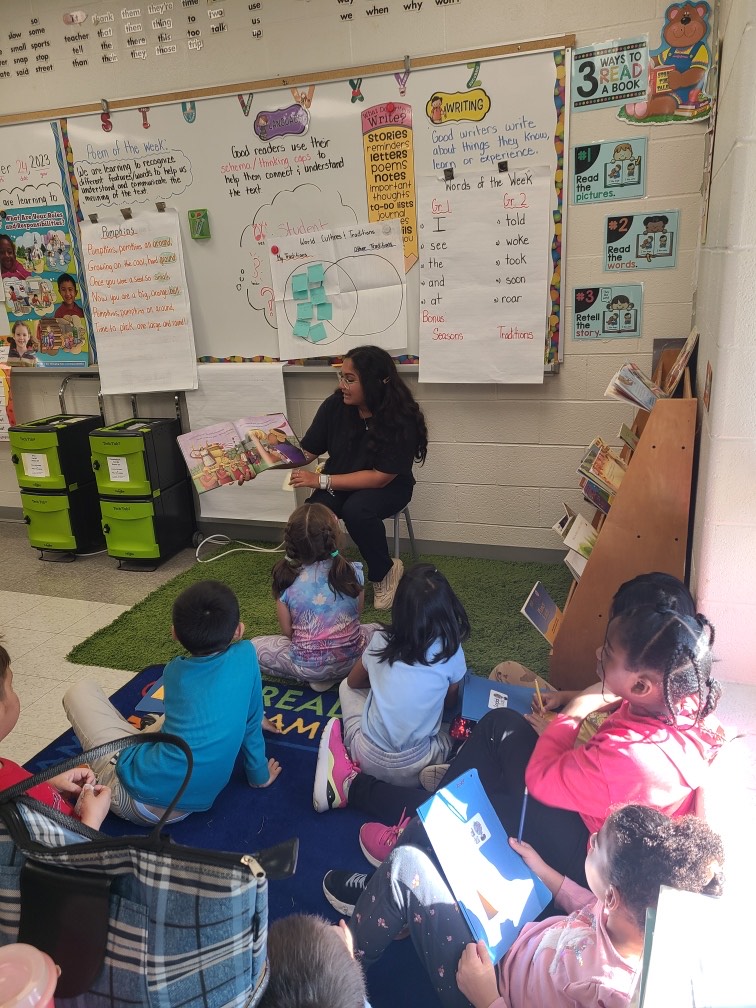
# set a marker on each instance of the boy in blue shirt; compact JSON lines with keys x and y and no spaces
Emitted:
{"x":213,"y":700}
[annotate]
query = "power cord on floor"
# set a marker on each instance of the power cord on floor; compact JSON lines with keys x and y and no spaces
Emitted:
{"x":224,"y":540}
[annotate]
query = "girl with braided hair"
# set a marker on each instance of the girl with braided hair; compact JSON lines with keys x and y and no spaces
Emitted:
{"x":319,"y":597}
{"x":654,"y":672}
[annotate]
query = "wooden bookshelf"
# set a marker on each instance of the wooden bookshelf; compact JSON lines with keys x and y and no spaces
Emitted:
{"x":645,"y":530}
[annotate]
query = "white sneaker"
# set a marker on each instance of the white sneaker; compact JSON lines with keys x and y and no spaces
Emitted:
{"x":431,"y":776}
{"x":384,"y":591}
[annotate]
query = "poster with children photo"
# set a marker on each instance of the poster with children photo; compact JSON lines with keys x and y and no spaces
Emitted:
{"x":642,"y":241}
{"x":41,"y":289}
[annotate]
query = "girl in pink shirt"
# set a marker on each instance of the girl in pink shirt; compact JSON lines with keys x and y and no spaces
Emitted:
{"x":589,"y":958}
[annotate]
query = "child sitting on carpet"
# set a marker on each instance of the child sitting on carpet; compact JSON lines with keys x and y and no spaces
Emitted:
{"x":393,"y":700}
{"x":656,"y":745}
{"x":213,"y":700}
{"x":312,"y":963}
{"x":589,"y":957}
{"x":74,"y":792}
{"x":319,"y":597}
{"x":656,"y":588}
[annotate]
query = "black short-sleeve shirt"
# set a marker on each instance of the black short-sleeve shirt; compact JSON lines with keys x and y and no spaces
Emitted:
{"x":339,"y":430}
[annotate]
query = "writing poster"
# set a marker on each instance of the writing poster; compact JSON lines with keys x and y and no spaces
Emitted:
{"x":642,"y":241}
{"x":610,"y":73}
{"x":140,"y":303}
{"x":607,"y":312}
{"x":613,"y":170}
{"x":303,"y":161}
{"x":484,"y":256}
{"x":338,"y":289}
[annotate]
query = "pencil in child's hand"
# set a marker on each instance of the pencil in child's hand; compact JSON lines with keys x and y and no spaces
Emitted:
{"x":538,"y":694}
{"x":522,"y":815}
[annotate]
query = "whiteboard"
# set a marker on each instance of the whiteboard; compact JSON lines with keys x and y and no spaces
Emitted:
{"x":290,"y":162}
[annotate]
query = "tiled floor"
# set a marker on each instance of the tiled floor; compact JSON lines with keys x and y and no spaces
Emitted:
{"x":48,"y":608}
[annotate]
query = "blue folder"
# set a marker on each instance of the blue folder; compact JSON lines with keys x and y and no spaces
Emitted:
{"x":482,"y":695}
{"x":495,"y":889}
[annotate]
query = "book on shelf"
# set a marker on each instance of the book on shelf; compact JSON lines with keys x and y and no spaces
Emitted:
{"x":630,"y":438}
{"x":576,"y":563}
{"x":603,"y":466}
{"x":542,"y":611}
{"x":630,"y":384}
{"x":596,"y":495}
{"x":681,"y":362}
{"x":223,"y":453}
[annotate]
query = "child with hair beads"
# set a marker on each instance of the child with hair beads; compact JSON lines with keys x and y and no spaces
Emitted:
{"x":75,"y":792}
{"x":655,"y":748}
{"x":312,"y":964}
{"x":589,"y":957}
{"x":393,"y":700}
{"x":319,"y":597}
{"x":213,"y":700}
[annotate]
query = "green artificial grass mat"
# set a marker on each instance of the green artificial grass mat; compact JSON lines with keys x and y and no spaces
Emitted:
{"x":492,"y":592}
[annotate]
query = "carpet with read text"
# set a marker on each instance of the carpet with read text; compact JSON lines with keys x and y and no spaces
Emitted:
{"x":247,"y":820}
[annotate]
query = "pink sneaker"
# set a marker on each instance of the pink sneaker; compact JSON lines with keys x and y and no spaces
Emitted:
{"x":335,"y":770}
{"x":377,"y":841}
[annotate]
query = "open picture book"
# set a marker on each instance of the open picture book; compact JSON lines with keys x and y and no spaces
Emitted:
{"x":632,"y":385}
{"x":226,"y":452}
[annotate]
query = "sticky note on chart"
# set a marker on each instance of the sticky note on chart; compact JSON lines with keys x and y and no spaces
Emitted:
{"x":299,"y":283}
{"x":318,"y":295}
{"x":325,"y":311}
{"x":301,"y":329}
{"x":315,"y":274}
{"x":317,"y":332}
{"x":304,"y":311}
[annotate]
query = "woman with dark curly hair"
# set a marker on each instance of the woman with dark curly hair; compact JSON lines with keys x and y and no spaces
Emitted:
{"x":373,"y":431}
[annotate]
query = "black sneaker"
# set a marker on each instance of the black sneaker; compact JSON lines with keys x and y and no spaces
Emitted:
{"x":342,"y":889}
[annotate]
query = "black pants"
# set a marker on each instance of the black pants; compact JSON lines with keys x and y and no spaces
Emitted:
{"x":363,"y":512}
{"x":499,"y":749}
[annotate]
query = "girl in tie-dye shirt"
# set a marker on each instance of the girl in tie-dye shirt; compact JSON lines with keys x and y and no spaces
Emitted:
{"x":319,"y":597}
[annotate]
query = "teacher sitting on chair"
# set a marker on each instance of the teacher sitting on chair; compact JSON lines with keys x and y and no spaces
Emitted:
{"x":373,"y":431}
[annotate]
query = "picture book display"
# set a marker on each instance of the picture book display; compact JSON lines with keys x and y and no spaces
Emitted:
{"x":676,"y":371}
{"x":632,"y":385}
{"x":542,"y":611}
{"x":603,"y":467}
{"x":495,"y":889}
{"x":223,"y":453}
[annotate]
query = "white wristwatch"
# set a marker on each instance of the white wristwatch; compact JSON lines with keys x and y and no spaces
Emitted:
{"x":323,"y":481}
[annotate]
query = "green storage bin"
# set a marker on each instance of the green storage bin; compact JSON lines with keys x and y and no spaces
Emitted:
{"x":52,"y":453}
{"x":66,"y":522}
{"x":149,"y":529}
{"x":136,"y":458}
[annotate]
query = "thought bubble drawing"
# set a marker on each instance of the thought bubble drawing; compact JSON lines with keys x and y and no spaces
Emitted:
{"x":305,"y":210}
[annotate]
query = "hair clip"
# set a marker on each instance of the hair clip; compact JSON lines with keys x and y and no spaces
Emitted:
{"x":335,"y":553}
{"x":290,"y":560}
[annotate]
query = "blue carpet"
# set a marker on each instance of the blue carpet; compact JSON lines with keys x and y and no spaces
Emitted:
{"x":243,"y":819}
